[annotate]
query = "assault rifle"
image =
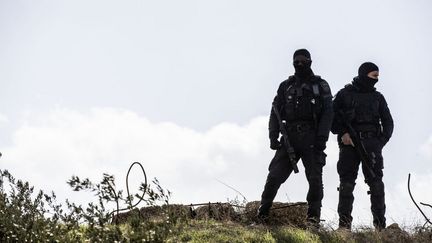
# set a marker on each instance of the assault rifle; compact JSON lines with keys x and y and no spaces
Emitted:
{"x":287,"y":144}
{"x":367,"y":159}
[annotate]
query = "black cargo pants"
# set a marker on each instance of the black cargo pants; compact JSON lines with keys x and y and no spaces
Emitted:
{"x":280,"y":169}
{"x":347,"y":167}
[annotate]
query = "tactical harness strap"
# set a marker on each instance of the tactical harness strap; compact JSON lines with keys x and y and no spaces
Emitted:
{"x":367,"y":118}
{"x":319,"y":90}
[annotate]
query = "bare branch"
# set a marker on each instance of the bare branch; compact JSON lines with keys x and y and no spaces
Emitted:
{"x":244,"y":198}
{"x":425,"y":204}
{"x":409,"y":191}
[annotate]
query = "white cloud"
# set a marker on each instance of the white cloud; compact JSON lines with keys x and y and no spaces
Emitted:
{"x":3,"y":118}
{"x":49,"y":148}
{"x":426,"y":148}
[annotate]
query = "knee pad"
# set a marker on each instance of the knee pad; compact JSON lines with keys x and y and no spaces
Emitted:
{"x":376,"y":188}
{"x":346,"y":188}
{"x":315,"y":181}
{"x":316,"y":190}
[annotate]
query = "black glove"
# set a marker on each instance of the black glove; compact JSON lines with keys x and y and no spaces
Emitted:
{"x":275,"y":144}
{"x":320,"y":143}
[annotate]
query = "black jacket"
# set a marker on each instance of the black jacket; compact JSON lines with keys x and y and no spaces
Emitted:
{"x":299,"y":101}
{"x":366,"y":108}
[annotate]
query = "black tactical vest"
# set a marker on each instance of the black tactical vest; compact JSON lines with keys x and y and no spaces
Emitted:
{"x":365,"y":107}
{"x":303,"y":100}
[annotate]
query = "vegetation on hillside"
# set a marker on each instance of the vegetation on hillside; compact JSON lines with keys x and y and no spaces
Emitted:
{"x":27,"y":215}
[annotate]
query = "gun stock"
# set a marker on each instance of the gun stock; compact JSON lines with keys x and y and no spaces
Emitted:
{"x":287,"y":144}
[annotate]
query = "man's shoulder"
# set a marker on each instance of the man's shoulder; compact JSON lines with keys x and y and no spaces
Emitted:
{"x":324,"y":85}
{"x":291,"y":79}
{"x":346,"y":90}
{"x":288,"y":81}
{"x":349,"y":87}
{"x":378,"y":93}
{"x":379,"y":96}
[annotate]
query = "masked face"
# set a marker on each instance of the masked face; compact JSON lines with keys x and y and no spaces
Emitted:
{"x":372,"y":77}
{"x":368,"y":81}
{"x":302,"y":65}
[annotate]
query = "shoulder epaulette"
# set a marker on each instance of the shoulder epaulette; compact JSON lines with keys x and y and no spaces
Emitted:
{"x":379,"y":93}
{"x":291,"y":78}
{"x":324,"y":85}
{"x":349,"y":87}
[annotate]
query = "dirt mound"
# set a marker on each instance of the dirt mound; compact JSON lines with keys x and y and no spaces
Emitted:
{"x":393,"y":233}
{"x":218,"y":211}
{"x":280,"y":213}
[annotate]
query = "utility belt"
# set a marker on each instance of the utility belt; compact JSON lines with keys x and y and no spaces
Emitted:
{"x":367,"y":134}
{"x":300,"y":127}
{"x":367,"y":130}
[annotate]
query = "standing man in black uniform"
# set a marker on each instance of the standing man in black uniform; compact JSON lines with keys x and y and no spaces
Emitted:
{"x":304,"y":101}
{"x":366,"y":110}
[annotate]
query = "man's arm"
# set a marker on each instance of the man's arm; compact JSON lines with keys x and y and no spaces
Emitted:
{"x":338,"y":125}
{"x":326,"y":119}
{"x":386,"y":121}
{"x":278,"y":102}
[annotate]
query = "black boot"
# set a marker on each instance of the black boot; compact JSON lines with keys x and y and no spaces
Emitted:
{"x":313,"y":223}
{"x":262,"y":215}
{"x":345,"y":222}
{"x":378,"y":206}
{"x":379,"y":222}
{"x":270,"y":190}
{"x":264,"y":210}
{"x":345,"y":205}
{"x":313,"y":215}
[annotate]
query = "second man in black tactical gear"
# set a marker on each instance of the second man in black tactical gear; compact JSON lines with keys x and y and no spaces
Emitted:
{"x":304,"y":102}
{"x":362,"y":108}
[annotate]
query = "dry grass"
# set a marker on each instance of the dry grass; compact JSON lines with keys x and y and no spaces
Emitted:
{"x":280,"y":214}
{"x":219,"y":211}
{"x":283,"y":223}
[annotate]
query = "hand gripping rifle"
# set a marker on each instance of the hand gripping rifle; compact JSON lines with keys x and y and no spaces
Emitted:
{"x":367,"y":159}
{"x":287,"y":144}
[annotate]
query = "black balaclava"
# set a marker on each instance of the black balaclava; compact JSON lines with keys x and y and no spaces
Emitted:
{"x":303,"y":69}
{"x":363,"y":81}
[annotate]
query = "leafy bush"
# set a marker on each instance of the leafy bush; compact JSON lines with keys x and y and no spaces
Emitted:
{"x":29,"y":217}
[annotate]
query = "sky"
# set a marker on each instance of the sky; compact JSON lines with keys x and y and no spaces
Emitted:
{"x":185,"y":87}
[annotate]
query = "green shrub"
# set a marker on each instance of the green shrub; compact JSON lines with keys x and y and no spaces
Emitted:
{"x":29,"y":216}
